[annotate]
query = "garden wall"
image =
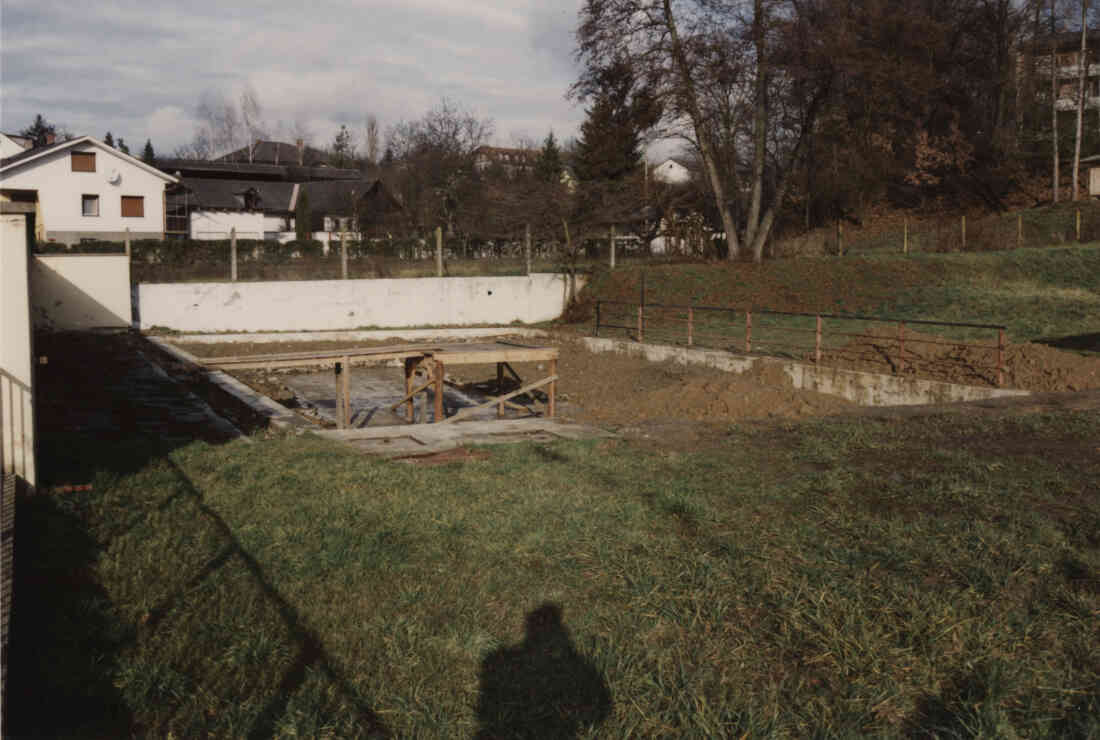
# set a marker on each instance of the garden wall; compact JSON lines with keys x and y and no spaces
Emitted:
{"x":350,"y":304}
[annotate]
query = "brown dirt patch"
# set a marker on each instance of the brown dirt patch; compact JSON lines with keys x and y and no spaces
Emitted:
{"x":1033,"y":367}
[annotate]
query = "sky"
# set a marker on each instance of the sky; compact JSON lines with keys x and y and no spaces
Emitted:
{"x":138,"y":69}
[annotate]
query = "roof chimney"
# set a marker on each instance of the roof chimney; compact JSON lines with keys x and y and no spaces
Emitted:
{"x":51,"y":139}
{"x":301,"y":152}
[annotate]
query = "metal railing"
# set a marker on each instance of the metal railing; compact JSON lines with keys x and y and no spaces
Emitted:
{"x":822,"y":338}
{"x":16,"y":428}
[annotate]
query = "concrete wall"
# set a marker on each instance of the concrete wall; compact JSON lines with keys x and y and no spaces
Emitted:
{"x":60,"y":190}
{"x":866,"y":389}
{"x":16,"y":352}
{"x":350,"y":304}
{"x":81,"y":291}
{"x":215,"y":225}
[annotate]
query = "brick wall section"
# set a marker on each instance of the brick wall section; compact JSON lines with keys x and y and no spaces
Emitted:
{"x":7,"y":541}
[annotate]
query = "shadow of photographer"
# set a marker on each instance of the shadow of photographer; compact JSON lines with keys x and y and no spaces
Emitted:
{"x":541,"y":687}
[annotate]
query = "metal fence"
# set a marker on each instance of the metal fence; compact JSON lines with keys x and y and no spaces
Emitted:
{"x":899,"y":346}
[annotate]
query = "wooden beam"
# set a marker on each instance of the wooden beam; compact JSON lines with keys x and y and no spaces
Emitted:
{"x":438,"y":382}
{"x":518,"y":392}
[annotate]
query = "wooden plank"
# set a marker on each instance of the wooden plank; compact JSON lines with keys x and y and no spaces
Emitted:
{"x":553,"y":392}
{"x":507,"y":355}
{"x":518,"y":392}
{"x":437,"y":377}
{"x":346,"y":375}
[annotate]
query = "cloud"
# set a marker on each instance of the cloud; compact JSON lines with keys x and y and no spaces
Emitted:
{"x":139,"y":68}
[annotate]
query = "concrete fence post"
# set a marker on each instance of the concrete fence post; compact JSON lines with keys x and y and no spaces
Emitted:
{"x":527,"y":246}
{"x":439,"y":251}
{"x":612,"y":240}
{"x":233,"y":254}
{"x":344,"y":255}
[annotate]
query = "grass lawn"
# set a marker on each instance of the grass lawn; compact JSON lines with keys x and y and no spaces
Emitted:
{"x":857,"y":576}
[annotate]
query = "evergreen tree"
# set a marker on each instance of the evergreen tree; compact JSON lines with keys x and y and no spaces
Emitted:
{"x":611,"y":134}
{"x":122,"y":146}
{"x":108,"y":139}
{"x":303,"y":226}
{"x":548,"y":166}
{"x":39,"y":131}
{"x":148,"y":156}
{"x":342,"y":148}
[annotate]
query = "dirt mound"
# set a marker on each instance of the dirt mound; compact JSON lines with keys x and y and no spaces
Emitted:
{"x":1033,"y":367}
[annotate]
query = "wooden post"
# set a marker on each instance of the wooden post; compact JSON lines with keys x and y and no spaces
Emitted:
{"x":344,"y":255}
{"x":439,"y":251}
{"x":1019,"y":230}
{"x":691,"y":325}
{"x":527,"y":246}
{"x":598,"y":318}
{"x":748,"y":331}
{"x":346,"y":389}
{"x":233,"y":254}
{"x":839,"y":239}
{"x":437,"y":367}
{"x":340,"y":417}
{"x":552,"y":392}
{"x":612,"y":246}
{"x":410,"y":369}
{"x":817,"y":342}
{"x":500,"y":388}
{"x":1078,"y":224}
{"x":1000,"y":358}
{"x":901,"y":344}
{"x":127,"y":242}
{"x":964,"y":232}
{"x":641,"y":323}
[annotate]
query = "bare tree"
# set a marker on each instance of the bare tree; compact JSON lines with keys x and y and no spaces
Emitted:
{"x":1082,"y":73}
{"x":252,"y":118}
{"x":372,"y":139}
{"x":1054,"y":95}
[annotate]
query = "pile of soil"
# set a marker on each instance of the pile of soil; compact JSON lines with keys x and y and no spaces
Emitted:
{"x":1033,"y":367}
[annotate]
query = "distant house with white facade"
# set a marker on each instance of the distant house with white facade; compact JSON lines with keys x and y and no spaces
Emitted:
{"x":84,"y":189}
{"x":671,"y":172}
{"x":12,"y":144}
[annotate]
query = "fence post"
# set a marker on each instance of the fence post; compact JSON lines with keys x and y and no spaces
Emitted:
{"x":345,"y":376}
{"x":598,"y":318}
{"x":817,"y":342}
{"x":344,"y":255}
{"x":127,"y":242}
{"x":233,"y":254}
{"x":748,"y":332}
{"x":1019,"y":230}
{"x":1000,"y":358}
{"x":905,"y":243}
{"x":439,"y":251}
{"x":337,"y":372}
{"x":691,"y":325}
{"x":612,"y":246}
{"x":641,"y":322}
{"x":964,"y":232}
{"x":839,"y":239}
{"x":1078,"y":224}
{"x":901,"y":344}
{"x":527,"y":246}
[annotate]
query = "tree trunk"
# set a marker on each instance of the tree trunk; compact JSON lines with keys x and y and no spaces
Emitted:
{"x":706,"y":151}
{"x":1082,"y":73}
{"x":759,"y":126}
{"x":1054,"y":96}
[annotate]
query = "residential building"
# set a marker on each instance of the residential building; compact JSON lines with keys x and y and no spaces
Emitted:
{"x":85,"y":190}
{"x":671,"y":172}
{"x":12,"y":144}
{"x":1067,"y":50}
{"x":511,"y":161}
{"x":278,"y":153}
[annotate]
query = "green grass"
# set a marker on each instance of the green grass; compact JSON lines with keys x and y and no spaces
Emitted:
{"x":938,"y":575}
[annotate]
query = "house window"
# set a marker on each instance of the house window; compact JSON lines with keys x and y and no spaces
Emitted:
{"x":89,"y":205}
{"x":133,"y":206}
{"x":83,"y":161}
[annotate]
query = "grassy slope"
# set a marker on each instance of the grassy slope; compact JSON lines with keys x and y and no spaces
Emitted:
{"x":833,"y":578}
{"x":1037,"y":293}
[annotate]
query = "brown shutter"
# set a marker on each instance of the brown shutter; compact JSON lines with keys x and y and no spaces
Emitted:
{"x":133,"y":206}
{"x":83,"y":161}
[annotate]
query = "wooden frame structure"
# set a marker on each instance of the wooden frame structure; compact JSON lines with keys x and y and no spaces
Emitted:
{"x":424,"y":370}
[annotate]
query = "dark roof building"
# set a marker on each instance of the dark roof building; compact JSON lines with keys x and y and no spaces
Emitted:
{"x":278,"y":153}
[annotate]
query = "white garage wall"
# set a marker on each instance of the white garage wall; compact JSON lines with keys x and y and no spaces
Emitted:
{"x":349,"y":304}
{"x":81,"y":291}
{"x":16,"y":353}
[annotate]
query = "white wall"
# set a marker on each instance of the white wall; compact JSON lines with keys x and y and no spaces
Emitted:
{"x":60,"y":190}
{"x":16,"y":353}
{"x":81,"y":291}
{"x":215,"y":225}
{"x":349,"y":304}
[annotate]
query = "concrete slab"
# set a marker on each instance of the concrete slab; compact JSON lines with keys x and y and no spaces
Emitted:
{"x":428,"y":439}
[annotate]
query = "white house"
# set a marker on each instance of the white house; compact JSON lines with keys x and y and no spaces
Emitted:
{"x":12,"y":144}
{"x":85,"y":189}
{"x":671,"y":172}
